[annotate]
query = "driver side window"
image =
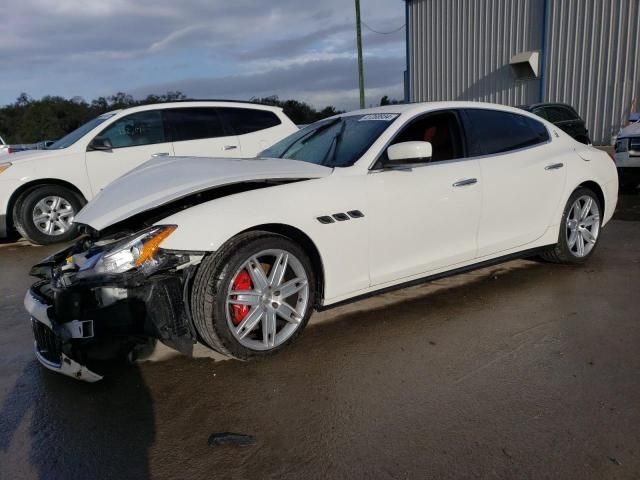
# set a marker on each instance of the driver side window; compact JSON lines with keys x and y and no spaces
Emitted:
{"x":441,"y":129}
{"x":142,"y":128}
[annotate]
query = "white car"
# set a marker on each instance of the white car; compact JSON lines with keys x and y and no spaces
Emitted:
{"x":236,"y":254}
{"x":41,"y":191}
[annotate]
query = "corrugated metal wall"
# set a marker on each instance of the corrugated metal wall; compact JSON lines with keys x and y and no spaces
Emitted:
{"x":460,"y":50}
{"x":592,"y":61}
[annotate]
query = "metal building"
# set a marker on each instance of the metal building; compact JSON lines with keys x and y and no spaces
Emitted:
{"x":580,"y":52}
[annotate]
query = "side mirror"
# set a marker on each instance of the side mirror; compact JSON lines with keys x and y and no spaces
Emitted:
{"x":409,"y":152}
{"x":100,"y":144}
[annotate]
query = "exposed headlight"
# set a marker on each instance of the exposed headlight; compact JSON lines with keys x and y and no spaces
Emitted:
{"x":4,"y":166}
{"x":136,"y":251}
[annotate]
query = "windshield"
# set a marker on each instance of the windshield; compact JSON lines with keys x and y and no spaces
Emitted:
{"x":336,"y":142}
{"x":79,"y":132}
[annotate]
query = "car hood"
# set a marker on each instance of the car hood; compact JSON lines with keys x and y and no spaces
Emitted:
{"x":163,"y":180}
{"x":632,"y":130}
{"x":28,"y":155}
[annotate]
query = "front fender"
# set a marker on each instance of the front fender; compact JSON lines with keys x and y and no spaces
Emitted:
{"x":343,"y":245}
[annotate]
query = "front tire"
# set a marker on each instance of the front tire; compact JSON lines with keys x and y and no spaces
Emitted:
{"x":579,"y":229}
{"x":254,"y":296}
{"x":44,"y":215}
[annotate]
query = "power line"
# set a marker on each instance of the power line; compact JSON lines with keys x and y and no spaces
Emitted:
{"x":384,"y":33}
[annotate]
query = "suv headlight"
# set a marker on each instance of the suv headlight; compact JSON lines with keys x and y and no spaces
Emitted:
{"x":136,"y":251}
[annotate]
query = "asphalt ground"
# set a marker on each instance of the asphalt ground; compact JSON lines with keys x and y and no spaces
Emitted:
{"x":524,"y":370}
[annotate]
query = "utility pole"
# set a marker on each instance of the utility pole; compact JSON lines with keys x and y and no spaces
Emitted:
{"x":360,"y":64}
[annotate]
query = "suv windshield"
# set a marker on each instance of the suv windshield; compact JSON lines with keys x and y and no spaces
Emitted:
{"x":336,"y":142}
{"x":80,"y":132}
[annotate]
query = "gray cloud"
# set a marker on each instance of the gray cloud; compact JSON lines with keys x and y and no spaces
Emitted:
{"x":304,"y":79}
{"x":71,"y":47}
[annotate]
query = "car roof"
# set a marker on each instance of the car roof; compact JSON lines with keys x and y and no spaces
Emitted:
{"x":632,"y":130}
{"x":416,"y":108}
{"x":545,"y":104}
{"x":197,"y":103}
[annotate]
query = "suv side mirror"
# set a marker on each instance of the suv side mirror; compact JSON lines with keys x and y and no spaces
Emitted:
{"x":101,"y":144}
{"x":406,"y":153}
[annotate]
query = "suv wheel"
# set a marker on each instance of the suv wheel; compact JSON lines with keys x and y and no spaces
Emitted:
{"x":44,"y":215}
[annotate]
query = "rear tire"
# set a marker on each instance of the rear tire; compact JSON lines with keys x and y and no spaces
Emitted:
{"x":579,"y":229}
{"x":44,"y":215}
{"x":261,"y":328}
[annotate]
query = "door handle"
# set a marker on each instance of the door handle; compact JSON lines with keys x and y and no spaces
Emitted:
{"x":554,"y":166}
{"x":464,"y":183}
{"x":230,"y":147}
{"x":160,"y":154}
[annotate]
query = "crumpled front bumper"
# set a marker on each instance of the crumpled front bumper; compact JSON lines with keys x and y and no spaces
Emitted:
{"x":82,"y":319}
{"x":47,"y":343}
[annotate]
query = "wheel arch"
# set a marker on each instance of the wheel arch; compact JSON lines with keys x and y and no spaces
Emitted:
{"x":24,"y":189}
{"x":597,"y":189}
{"x":307,"y":244}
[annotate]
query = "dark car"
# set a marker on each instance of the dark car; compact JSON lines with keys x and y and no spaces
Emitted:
{"x":562,"y":115}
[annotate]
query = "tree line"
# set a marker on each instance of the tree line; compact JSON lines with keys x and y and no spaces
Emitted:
{"x":28,"y":120}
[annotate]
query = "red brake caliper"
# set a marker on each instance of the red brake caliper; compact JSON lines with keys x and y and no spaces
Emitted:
{"x":241,"y":282}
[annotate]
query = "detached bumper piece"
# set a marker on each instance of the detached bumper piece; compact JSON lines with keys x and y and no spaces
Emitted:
{"x":48,"y":346}
{"x":48,"y":350}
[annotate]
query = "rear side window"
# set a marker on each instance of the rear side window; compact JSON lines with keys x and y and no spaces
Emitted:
{"x":246,"y":120}
{"x":490,"y":132}
{"x":194,"y":123}
{"x":559,"y":114}
{"x":541,"y":112}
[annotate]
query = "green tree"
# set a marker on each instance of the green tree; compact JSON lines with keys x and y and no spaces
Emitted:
{"x":28,"y":120}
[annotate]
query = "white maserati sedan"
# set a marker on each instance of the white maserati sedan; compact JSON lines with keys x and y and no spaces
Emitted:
{"x":42,"y":190}
{"x":236,"y":254}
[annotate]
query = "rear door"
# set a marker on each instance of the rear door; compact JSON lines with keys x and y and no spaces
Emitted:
{"x":523,"y":177}
{"x":200,"y":132}
{"x":256,"y":129}
{"x":135,"y":139}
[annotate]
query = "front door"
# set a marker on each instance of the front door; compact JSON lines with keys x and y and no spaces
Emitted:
{"x":424,"y":218}
{"x":135,"y":139}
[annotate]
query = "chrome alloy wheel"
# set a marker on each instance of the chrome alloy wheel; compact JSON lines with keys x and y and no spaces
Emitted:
{"x":53,"y":215}
{"x":267,"y":299}
{"x":583,"y":226}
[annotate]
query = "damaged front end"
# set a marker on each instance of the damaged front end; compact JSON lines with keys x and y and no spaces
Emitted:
{"x":103,"y":297}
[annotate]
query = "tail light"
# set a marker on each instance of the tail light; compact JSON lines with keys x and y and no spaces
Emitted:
{"x":10,"y":150}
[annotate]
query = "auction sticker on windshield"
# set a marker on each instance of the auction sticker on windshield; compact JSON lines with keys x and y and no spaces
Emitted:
{"x":381,"y":117}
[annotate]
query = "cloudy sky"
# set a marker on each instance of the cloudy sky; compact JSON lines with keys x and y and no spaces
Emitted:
{"x":303,"y":49}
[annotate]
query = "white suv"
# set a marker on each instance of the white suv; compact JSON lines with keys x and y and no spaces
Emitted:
{"x":41,"y":191}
